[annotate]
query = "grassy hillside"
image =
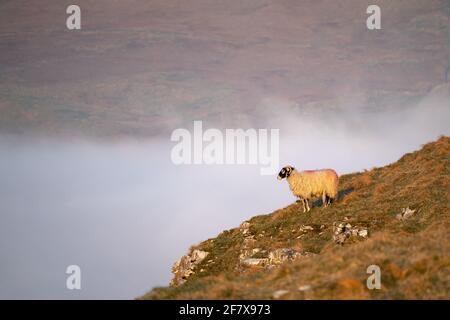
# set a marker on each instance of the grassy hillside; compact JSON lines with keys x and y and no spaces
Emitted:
{"x":412,"y":252}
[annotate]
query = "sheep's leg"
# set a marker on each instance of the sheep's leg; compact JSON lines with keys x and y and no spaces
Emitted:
{"x":304,"y":205}
{"x":324,"y":200}
{"x":307,"y":205}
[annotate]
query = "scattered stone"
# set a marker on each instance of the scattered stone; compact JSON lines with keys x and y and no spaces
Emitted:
{"x":344,"y":230}
{"x":304,"y":228}
{"x":305,"y":288}
{"x":279,"y":256}
{"x":255,"y":262}
{"x":244,"y":227}
{"x":271,"y":259}
{"x":405,"y":214}
{"x":184,"y":268}
{"x":246,"y":253}
{"x":279,"y":294}
{"x":340,"y":238}
{"x":249,"y":240}
{"x":363,"y":233}
{"x":246,"y":256}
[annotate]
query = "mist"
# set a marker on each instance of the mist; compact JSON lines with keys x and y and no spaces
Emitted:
{"x":124,"y":213}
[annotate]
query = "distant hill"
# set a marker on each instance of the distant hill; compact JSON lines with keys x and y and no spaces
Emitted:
{"x":143,"y":68}
{"x":396,"y":217}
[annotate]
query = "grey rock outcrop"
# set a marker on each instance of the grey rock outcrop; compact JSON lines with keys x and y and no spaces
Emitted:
{"x":342,"y":231}
{"x":185,"y":267}
{"x":405,"y":214}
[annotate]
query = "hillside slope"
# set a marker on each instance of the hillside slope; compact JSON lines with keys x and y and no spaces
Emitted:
{"x":396,"y":217}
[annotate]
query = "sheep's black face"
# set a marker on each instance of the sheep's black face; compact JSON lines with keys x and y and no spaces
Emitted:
{"x":285,"y":172}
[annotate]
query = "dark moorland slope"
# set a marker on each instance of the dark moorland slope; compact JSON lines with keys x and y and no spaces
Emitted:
{"x":143,"y":68}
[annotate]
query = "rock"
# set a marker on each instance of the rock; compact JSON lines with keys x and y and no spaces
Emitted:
{"x":304,"y":228}
{"x":282,"y":255}
{"x":245,"y":225}
{"x":344,"y":230}
{"x":273,"y":258}
{"x":198,"y":255}
{"x":340,"y":238}
{"x":405,"y":214}
{"x":248,"y":243}
{"x":247,"y":253}
{"x":255,"y":262}
{"x":305,"y":288}
{"x":184,"y":268}
{"x":279,"y":256}
{"x":279,"y":294}
{"x":363,"y":233}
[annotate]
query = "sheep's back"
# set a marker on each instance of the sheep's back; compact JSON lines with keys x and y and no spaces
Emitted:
{"x":312,"y":183}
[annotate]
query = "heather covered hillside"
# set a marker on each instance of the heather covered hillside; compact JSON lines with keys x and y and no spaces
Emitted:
{"x":396,"y":217}
{"x":142,"y":68}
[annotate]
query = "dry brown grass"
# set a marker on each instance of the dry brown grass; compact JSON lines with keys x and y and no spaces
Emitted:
{"x":380,"y":190}
{"x":363,"y":180}
{"x":350,"y":198}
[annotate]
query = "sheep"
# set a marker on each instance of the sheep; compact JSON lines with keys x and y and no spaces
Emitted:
{"x":312,"y":183}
